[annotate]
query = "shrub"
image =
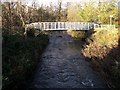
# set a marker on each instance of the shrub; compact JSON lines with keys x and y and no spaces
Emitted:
{"x":100,"y":43}
{"x":20,"y":56}
{"x":77,"y":35}
{"x":31,"y":32}
{"x":103,"y":52}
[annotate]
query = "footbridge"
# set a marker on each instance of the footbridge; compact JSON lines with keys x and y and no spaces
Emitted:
{"x":61,"y":25}
{"x":65,"y":26}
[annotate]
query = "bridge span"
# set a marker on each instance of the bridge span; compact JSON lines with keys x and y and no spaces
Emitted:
{"x":65,"y":26}
{"x":62,"y":25}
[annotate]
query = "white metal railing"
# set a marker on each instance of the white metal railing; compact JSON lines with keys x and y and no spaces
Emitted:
{"x":104,"y":26}
{"x":66,"y":26}
{"x":61,"y":25}
{"x":107,"y":26}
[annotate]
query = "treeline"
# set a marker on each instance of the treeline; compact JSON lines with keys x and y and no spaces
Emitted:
{"x":17,"y":14}
{"x":20,"y":54}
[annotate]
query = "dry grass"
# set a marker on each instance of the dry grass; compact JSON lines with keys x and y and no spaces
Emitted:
{"x":76,"y":34}
{"x":103,"y":51}
{"x":100,"y":43}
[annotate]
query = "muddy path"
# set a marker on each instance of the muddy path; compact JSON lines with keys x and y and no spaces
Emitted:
{"x":63,"y":66}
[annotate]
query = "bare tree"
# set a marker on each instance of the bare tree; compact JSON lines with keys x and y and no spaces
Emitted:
{"x":59,"y":9}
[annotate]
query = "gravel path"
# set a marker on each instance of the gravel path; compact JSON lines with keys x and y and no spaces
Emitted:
{"x":63,"y":66}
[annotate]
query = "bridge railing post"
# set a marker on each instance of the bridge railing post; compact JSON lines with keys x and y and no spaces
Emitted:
{"x":44,"y":25}
{"x":77,"y":25}
{"x":74,"y":25}
{"x":70,"y":26}
{"x":88,"y":26}
{"x":55,"y":25}
{"x":66,"y":25}
{"x":47,"y":25}
{"x":62,"y":25}
{"x":39,"y":26}
{"x":58,"y":25}
{"x":50,"y":26}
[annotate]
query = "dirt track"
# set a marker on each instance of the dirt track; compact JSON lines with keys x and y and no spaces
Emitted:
{"x":63,"y":66}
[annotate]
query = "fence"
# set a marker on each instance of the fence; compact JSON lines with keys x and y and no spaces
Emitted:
{"x":104,"y":26}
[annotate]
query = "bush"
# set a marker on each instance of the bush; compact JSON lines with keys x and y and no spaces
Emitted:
{"x":100,"y":43}
{"x":77,"y":35}
{"x":31,"y":32}
{"x":105,"y":37}
{"x":103,"y":51}
{"x":20,"y":56}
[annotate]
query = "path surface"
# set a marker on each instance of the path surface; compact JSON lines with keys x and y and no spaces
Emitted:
{"x":63,"y":66}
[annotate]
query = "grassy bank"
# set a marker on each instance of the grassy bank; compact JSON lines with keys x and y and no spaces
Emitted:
{"x":20,"y":55}
{"x":102,"y":50}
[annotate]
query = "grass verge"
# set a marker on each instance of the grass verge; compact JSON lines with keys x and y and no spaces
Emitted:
{"x":103,"y":50}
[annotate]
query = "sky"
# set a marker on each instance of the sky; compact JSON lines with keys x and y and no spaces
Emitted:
{"x":47,"y":2}
{"x":54,"y":2}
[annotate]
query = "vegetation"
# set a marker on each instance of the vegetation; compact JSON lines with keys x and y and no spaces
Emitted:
{"x":20,"y":53}
{"x":20,"y":57}
{"x":101,"y":39}
{"x":77,"y":35}
{"x":93,"y":12}
{"x":101,"y":47}
{"x":18,"y":13}
{"x":103,"y":51}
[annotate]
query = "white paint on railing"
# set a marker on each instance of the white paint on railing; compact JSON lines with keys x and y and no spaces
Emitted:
{"x":60,"y":25}
{"x":104,"y":26}
{"x":66,"y":26}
